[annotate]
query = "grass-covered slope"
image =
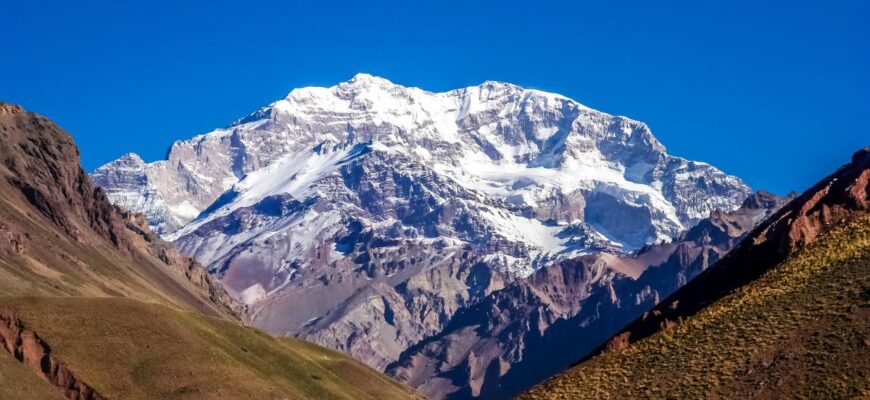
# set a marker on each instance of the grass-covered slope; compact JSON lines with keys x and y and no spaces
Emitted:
{"x":126,"y":349}
{"x":801,"y":330}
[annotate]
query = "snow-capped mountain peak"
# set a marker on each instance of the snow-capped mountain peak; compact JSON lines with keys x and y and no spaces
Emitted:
{"x":365,"y":215}
{"x":496,"y":168}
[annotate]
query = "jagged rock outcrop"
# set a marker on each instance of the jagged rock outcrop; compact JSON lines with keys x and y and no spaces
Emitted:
{"x":41,"y":162}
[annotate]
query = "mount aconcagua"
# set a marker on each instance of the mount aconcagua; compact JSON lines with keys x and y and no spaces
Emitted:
{"x":366,"y":215}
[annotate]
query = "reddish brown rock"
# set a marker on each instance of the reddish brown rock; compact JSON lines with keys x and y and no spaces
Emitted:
{"x":617,"y":343}
{"x":31,"y":351}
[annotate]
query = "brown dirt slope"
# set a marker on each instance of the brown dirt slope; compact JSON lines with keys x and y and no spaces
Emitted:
{"x":833,"y":201}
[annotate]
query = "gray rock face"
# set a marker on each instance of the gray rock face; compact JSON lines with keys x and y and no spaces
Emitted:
{"x":537,"y":326}
{"x":366,"y":215}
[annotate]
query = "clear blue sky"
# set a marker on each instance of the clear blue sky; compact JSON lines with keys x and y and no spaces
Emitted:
{"x":776,"y":93}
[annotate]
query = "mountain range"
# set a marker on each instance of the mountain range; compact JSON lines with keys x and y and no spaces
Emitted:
{"x":377,"y":219}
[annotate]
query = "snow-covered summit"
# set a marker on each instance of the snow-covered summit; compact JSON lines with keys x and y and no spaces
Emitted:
{"x":521,"y":176}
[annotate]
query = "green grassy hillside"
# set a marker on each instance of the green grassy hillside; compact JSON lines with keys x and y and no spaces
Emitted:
{"x":802,"y":330}
{"x":126,"y":349}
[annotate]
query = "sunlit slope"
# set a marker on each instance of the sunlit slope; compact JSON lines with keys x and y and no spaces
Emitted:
{"x":801,"y":330}
{"x":126,"y":349}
